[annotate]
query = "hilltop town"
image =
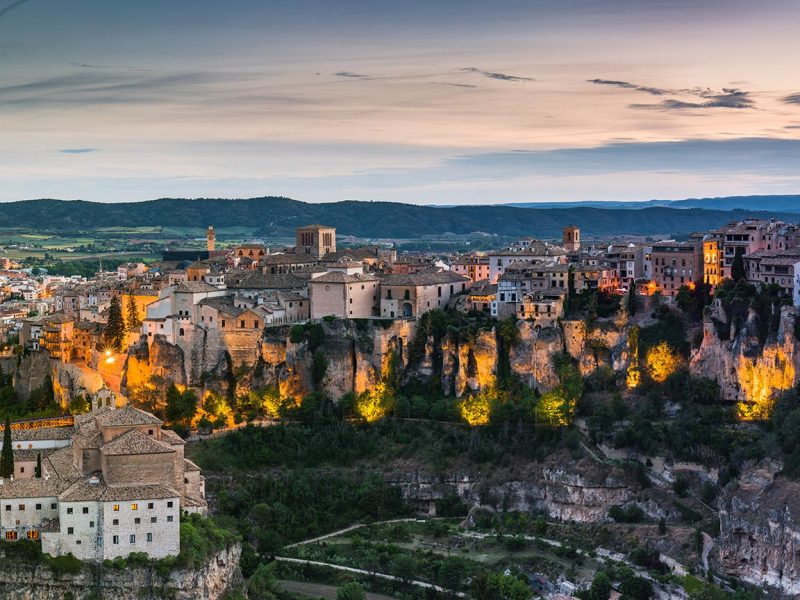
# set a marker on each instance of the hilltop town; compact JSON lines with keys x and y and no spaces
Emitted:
{"x":106,"y":378}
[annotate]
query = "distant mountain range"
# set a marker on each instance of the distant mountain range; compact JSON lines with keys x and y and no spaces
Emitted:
{"x":276,"y":216}
{"x":769,"y":203}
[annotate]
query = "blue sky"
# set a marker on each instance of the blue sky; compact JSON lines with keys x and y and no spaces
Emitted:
{"x":424,"y":102}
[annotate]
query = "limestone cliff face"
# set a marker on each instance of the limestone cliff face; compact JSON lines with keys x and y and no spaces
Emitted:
{"x":747,"y":371}
{"x":210,"y":582}
{"x":604,"y":344}
{"x":760,"y":530}
{"x":580,"y":491}
{"x":357,"y":355}
{"x":531,"y":358}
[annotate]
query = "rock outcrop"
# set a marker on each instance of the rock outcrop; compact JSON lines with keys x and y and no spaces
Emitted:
{"x":748,"y":372}
{"x":581,"y":491}
{"x":212,"y":581}
{"x":357,"y":355}
{"x":760,"y":530}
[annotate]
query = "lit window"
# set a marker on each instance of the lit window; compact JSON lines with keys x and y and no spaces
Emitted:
{"x":32,"y":534}
{"x":11,"y":536}
{"x":116,"y":508}
{"x":134,"y":506}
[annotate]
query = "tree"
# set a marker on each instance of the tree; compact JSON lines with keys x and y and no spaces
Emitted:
{"x":350,"y":591}
{"x":7,"y":454}
{"x":737,"y":268}
{"x":115,"y":329}
{"x":134,"y":322}
{"x":38,"y":471}
{"x":601,"y":587}
{"x":181,"y":405}
{"x":631,"y":300}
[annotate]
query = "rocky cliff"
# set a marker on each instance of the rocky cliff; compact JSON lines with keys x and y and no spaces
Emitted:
{"x":748,"y":372}
{"x":565,"y":489}
{"x":357,"y":355}
{"x":38,"y":582}
{"x":760,"y":530}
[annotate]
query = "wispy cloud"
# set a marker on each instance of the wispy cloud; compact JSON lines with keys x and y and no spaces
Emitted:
{"x":350,"y":74}
{"x":77,"y":150}
{"x":4,"y":11}
{"x":113,"y":67}
{"x":495,"y":75}
{"x":792,"y":98}
{"x":701,"y":97}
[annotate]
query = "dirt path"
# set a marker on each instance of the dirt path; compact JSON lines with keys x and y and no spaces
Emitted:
{"x":414,"y":582}
{"x":320,"y":590}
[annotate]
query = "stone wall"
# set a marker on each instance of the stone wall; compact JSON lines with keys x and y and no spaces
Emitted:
{"x":210,"y":582}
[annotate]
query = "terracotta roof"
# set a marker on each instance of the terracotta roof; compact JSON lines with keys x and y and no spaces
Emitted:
{"x":135,"y":442}
{"x":127,"y":415}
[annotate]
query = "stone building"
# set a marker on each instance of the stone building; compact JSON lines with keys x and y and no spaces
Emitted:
{"x":344,"y":295}
{"x":315,"y":240}
{"x":409,"y":296}
{"x":119,"y":487}
{"x":676,"y":264}
{"x":571,"y":239}
{"x":472,"y":266}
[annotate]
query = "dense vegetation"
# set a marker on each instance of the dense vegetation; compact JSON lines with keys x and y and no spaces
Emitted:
{"x":367,"y":219}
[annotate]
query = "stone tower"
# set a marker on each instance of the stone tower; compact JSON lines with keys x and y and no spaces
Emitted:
{"x":571,"y":239}
{"x":211,"y":239}
{"x":315,"y":240}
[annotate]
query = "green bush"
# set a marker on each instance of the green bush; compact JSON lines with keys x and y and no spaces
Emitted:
{"x":64,"y":565}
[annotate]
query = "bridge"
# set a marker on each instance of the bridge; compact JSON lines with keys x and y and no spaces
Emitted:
{"x":63,"y":421}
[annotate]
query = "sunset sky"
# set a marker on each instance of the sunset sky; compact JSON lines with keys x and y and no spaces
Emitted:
{"x":423,"y":101}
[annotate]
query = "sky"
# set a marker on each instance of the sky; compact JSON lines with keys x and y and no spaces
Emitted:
{"x":421,"y":101}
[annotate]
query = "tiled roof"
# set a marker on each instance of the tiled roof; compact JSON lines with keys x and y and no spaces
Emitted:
{"x":84,"y":490}
{"x":287,"y":258}
{"x":339,"y":277}
{"x":59,"y":464}
{"x":265,"y":281}
{"x":45,"y":433}
{"x":28,"y":455}
{"x":189,"y":465}
{"x":194,"y":287}
{"x":125,"y":416}
{"x":31,"y":488}
{"x":135,"y":442}
{"x":415,"y":279}
{"x":313,"y":227}
{"x":172,"y":438}
{"x":91,"y":438}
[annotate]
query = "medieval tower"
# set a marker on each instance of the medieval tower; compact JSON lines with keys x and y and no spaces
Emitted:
{"x":211,"y":239}
{"x":571,"y":239}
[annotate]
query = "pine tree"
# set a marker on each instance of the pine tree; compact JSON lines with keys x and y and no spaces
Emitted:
{"x":115,"y":329}
{"x":737,"y":268}
{"x":134,"y":322}
{"x":38,"y":472}
{"x":7,"y":454}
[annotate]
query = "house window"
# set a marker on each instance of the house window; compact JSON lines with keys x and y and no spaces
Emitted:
{"x":134,"y":506}
{"x":169,"y":518}
{"x":70,"y":530}
{"x":241,"y":324}
{"x":149,"y":537}
{"x":180,"y":332}
{"x":154,"y":519}
{"x":137,"y":521}
{"x":223,"y":322}
{"x":133,"y":538}
{"x":149,"y":506}
{"x":11,"y":536}
{"x":169,"y":504}
{"x":69,"y":511}
{"x":115,"y":522}
{"x":38,"y":507}
{"x":86,"y":510}
{"x":53,"y":506}
{"x":91,"y":524}
{"x":115,"y":539}
{"x":116,"y":508}
{"x":33,"y":534}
